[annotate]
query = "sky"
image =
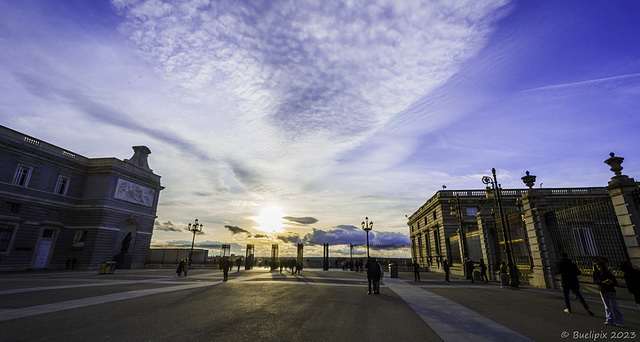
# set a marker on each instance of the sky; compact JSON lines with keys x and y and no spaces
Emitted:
{"x":291,"y":121}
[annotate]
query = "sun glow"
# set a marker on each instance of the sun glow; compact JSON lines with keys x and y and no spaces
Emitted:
{"x":270,"y":219}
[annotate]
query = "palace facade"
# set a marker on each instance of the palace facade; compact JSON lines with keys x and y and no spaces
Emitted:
{"x":59,"y":209}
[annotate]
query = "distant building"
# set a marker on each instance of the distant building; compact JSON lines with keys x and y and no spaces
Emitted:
{"x":57,"y":206}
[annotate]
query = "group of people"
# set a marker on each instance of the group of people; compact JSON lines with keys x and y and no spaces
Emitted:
{"x":469,"y":267}
{"x":183,"y":267}
{"x":606,"y":282}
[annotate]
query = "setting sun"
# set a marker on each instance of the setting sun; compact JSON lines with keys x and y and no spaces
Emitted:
{"x":270,"y":219}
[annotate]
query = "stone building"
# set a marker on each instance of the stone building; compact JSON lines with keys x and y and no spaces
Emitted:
{"x":57,"y":206}
{"x":533,"y":229}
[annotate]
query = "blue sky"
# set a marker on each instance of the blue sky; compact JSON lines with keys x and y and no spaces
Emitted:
{"x":290,"y":121}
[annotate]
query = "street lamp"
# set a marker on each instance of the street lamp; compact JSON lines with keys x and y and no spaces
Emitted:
{"x":367,"y":226}
{"x":495,"y":192}
{"x":195,"y":228}
{"x":457,"y":211}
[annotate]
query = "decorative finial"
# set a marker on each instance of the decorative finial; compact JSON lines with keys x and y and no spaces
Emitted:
{"x":615,"y":163}
{"x":529,"y":180}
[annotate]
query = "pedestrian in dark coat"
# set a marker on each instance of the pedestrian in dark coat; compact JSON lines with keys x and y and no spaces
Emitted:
{"x":374,"y":271}
{"x":416,"y":271}
{"x":180,"y":266}
{"x":569,"y":273}
{"x":469,"y":267}
{"x":483,"y":271}
{"x":607,"y":282}
{"x":225,"y":265}
{"x":445,"y":267}
{"x":632,"y":278}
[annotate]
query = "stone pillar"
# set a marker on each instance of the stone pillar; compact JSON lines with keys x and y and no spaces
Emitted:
{"x":622,"y":189}
{"x":535,"y":207}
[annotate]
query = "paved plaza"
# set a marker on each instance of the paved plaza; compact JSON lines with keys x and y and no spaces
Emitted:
{"x":316,"y":305}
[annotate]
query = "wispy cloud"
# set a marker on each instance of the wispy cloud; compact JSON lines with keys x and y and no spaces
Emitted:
{"x":585,"y":83}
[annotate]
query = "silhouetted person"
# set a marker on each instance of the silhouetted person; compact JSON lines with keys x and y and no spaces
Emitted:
{"x":607,"y":282}
{"x":180,"y":267}
{"x":445,"y":267}
{"x":239,"y":262}
{"x":468,"y":265}
{"x":569,"y":273}
{"x":504,"y":274}
{"x":483,"y":271}
{"x":67,"y":263}
{"x":225,"y":265}
{"x":416,"y":271}
{"x":185,"y":265}
{"x":374,"y":271}
{"x":74,"y":261}
{"x":632,"y":278}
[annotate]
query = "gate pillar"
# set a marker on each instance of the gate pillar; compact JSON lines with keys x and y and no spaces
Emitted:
{"x":248,"y":260}
{"x":625,"y":196}
{"x":325,"y":257}
{"x":300,"y":257}
{"x":274,"y":256}
{"x":535,"y":206}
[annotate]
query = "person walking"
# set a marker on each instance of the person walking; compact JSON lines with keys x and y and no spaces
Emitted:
{"x":632,"y":279}
{"x":469,"y":268}
{"x":225,"y":265}
{"x":569,"y":273}
{"x":504,"y":274}
{"x":374,"y":272}
{"x":607,"y":282}
{"x":185,"y":266}
{"x":180,"y":266}
{"x":445,"y":267}
{"x":416,"y":271}
{"x":483,"y":271}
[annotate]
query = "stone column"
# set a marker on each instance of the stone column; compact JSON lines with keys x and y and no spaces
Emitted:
{"x":622,"y":189}
{"x":535,"y":207}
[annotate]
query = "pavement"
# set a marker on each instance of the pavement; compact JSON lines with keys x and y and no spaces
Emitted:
{"x":315,"y":305}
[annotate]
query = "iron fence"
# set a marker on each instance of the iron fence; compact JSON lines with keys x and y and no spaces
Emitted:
{"x":519,"y":243}
{"x":588,"y":231}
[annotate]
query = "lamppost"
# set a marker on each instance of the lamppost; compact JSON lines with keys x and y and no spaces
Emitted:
{"x":495,"y":192}
{"x":195,"y":228}
{"x":456,"y":211}
{"x":367,"y":226}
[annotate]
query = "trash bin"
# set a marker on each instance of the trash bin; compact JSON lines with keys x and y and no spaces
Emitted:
{"x":103,"y":268}
{"x":393,"y":270}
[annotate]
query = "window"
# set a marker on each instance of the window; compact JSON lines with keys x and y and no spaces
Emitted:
{"x":12,"y":208}
{"x":6,"y":235}
{"x":62,"y":185}
{"x":435,"y":216}
{"x":427,"y":240}
{"x":22,"y":175}
{"x":472,"y":211}
{"x":79,"y":239}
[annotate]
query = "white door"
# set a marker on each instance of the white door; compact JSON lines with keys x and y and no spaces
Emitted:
{"x":43,"y":249}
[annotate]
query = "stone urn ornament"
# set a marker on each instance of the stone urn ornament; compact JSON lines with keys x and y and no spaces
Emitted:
{"x":529,"y":180}
{"x":615,"y":163}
